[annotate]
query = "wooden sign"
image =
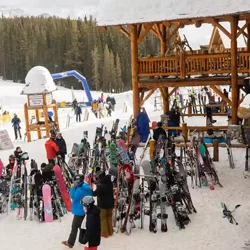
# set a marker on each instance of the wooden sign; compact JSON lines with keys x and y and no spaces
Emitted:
{"x":35,"y":100}
{"x":5,"y":141}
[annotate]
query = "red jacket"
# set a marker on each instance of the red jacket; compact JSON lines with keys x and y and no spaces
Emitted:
{"x":51,"y":149}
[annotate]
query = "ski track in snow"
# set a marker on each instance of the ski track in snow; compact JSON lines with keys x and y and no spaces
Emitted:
{"x":208,"y":229}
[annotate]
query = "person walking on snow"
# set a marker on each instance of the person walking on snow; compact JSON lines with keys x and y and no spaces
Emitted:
{"x":78,"y":190}
{"x":95,"y":108}
{"x":92,"y":234}
{"x":101,"y":109}
{"x":16,"y":125}
{"x":60,"y":142}
{"x":105,"y":201}
{"x":52,"y":150}
{"x":78,"y":112}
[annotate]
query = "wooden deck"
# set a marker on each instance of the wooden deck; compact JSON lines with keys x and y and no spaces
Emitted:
{"x":183,"y":66}
{"x":177,"y":82}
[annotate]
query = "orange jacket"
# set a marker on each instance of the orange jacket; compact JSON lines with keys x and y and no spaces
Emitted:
{"x":51,"y":149}
{"x":95,"y":106}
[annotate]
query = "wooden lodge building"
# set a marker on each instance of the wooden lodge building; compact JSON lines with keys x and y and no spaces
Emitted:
{"x":217,"y":66}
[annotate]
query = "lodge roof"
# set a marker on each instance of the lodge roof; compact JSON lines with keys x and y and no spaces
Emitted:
{"x":118,"y":12}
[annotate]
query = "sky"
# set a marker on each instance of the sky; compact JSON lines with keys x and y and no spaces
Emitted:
{"x":62,"y":8}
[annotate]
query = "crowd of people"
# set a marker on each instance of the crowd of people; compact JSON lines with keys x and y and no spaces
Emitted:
{"x":99,"y":218}
{"x":98,"y":107}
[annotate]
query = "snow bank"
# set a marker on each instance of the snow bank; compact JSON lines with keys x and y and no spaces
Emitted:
{"x":38,"y":81}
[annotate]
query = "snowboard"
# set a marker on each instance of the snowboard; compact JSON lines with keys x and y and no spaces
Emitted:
{"x":1,"y":167}
{"x":47,"y":204}
{"x":63,"y":188}
{"x":113,"y":154}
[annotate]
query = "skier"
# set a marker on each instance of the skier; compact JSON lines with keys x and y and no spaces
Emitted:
{"x":105,"y":201}
{"x":102,"y":97}
{"x":92,"y":234}
{"x":74,"y":104}
{"x":142,"y":124}
{"x":95,"y":108}
{"x":78,"y":190}
{"x":47,"y":172}
{"x":51,"y":150}
{"x":159,"y":131}
{"x":60,"y":142}
{"x":78,"y":112}
{"x":109,"y":108}
{"x":16,"y":125}
{"x":101,"y":108}
{"x":10,"y":167}
{"x":113,"y":103}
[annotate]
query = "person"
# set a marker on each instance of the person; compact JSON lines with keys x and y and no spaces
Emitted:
{"x":105,"y":201}
{"x":101,"y":108}
{"x":226,"y":95}
{"x":142,"y":124}
{"x":109,"y":108}
{"x":95,"y":108}
{"x":52,"y":150}
{"x":10,"y":167}
{"x":113,"y":103}
{"x":78,"y":112}
{"x":74,"y":104}
{"x":92,"y":234}
{"x":16,"y":125}
{"x":108,"y":99}
{"x":159,"y":131}
{"x":79,"y":190}
{"x":60,"y":142}
{"x":47,"y":172}
{"x":102,"y":97}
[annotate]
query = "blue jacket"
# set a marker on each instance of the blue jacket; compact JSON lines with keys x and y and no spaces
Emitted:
{"x":16,"y":122}
{"x":76,"y":194}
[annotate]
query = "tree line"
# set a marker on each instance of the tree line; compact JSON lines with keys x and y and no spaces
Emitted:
{"x":58,"y":44}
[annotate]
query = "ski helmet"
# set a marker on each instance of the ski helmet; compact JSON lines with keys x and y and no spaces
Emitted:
{"x":87,"y":200}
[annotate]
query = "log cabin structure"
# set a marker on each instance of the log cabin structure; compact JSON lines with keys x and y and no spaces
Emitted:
{"x":218,"y":43}
{"x":135,"y":19}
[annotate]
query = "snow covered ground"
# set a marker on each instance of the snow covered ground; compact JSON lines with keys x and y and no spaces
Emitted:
{"x":208,"y":230}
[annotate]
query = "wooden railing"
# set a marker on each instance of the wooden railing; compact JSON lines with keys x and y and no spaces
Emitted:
{"x":186,"y":65}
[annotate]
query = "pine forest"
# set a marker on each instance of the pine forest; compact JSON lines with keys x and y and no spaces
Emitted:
{"x":104,"y":58}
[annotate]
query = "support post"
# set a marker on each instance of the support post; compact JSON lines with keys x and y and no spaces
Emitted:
{"x":56,"y":114}
{"x":39,"y":134}
{"x":46,"y":117}
{"x":134,"y":57}
{"x":216,"y":150}
{"x":152,"y":144}
{"x":234,"y":76}
{"x":185,"y":130}
{"x":248,"y":38}
{"x":26,"y":114}
{"x":165,"y":97}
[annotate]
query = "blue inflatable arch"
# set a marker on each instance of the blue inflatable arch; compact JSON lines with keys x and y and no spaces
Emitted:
{"x":79,"y":77}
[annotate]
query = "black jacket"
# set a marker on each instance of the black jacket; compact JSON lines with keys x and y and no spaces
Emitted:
{"x":92,"y":235}
{"x":158,"y":132}
{"x":104,"y":193}
{"x":62,"y":146}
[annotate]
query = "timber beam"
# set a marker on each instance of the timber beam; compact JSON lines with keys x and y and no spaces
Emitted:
{"x":146,"y":28}
{"x":218,"y":92}
{"x":123,"y":30}
{"x":168,"y":83}
{"x":214,"y":22}
{"x":151,"y":92}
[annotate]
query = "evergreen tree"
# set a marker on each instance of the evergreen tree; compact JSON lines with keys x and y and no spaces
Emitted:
{"x":58,"y":44}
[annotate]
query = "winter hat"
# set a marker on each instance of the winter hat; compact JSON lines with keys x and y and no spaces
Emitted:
{"x":87,"y":200}
{"x":79,"y":178}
